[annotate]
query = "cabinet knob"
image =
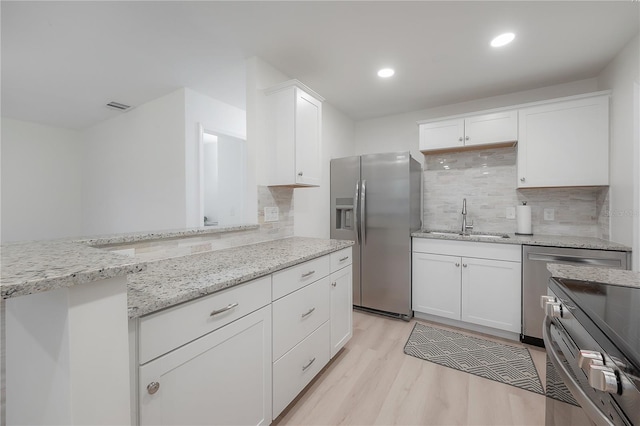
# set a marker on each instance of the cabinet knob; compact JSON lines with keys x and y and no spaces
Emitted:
{"x":153,"y":387}
{"x":333,"y":284}
{"x":466,"y":138}
{"x":299,"y":173}
{"x":464,"y":265}
{"x":457,"y":264}
{"x":522,"y":179}
{"x":460,"y":139}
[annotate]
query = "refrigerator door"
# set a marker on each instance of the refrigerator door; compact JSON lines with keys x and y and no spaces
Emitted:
{"x":386,"y":220}
{"x":345,"y":194}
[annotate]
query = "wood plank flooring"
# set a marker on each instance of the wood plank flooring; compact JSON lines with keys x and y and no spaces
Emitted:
{"x":372,"y":382}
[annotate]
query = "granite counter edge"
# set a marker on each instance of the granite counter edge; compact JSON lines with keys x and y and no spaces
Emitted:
{"x":546,"y":240}
{"x":137,"y":311}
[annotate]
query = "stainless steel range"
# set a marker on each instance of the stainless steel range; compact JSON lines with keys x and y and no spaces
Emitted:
{"x":592,"y":336}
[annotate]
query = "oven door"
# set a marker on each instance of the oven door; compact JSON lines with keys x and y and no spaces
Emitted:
{"x":561,"y":409}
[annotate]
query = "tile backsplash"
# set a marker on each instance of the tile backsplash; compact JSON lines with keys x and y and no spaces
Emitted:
{"x":487,"y":179}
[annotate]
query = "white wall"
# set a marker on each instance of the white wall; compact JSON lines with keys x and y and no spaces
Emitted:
{"x":400,"y":132}
{"x":217,"y":117}
{"x":620,"y":76}
{"x":311,"y":205}
{"x":134,"y":169}
{"x":41,"y":181}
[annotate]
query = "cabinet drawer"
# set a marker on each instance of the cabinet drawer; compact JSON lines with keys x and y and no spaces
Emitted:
{"x":298,"y":314}
{"x":166,"y":330}
{"x":291,"y":279}
{"x":340,"y":259}
{"x":298,"y":367}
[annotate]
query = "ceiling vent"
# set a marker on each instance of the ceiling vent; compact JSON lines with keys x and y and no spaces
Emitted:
{"x":118,"y":106}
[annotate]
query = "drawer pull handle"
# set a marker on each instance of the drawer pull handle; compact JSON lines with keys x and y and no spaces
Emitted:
{"x":304,"y":367}
{"x":344,"y":258}
{"x":225,"y":309}
{"x":309,"y":312}
{"x":153,"y":387}
{"x":308,"y":274}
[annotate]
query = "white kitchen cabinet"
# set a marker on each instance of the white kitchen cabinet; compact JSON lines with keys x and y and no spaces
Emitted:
{"x":470,"y":132}
{"x":341,"y":308}
{"x":564,"y":143}
{"x":477,"y":283}
{"x":294,"y":139}
{"x":221,"y":378}
{"x":491,"y":291}
{"x":436,"y":284}
{"x":312,"y":321}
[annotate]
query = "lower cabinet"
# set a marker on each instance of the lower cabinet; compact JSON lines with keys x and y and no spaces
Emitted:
{"x":240,"y":356}
{"x":341,"y":308}
{"x":481,"y":285}
{"x":298,"y":367}
{"x":491,"y":291}
{"x":223,"y":378}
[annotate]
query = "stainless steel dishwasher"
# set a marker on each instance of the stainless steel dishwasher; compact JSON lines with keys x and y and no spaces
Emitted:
{"x":535,"y":278}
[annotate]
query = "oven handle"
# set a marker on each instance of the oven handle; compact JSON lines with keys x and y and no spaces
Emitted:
{"x":590,"y":408}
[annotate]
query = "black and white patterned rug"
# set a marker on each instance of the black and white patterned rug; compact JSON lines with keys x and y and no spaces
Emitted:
{"x":496,"y":361}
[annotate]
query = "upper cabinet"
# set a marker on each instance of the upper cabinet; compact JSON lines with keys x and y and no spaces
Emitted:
{"x":472,"y":132}
{"x":564,"y":143}
{"x":294,"y":137}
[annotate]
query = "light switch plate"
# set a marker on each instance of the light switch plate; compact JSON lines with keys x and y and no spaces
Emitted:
{"x":511,"y":212}
{"x":549,"y":214}
{"x":271,"y":214}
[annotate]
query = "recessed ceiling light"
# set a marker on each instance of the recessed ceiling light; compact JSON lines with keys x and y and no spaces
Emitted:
{"x":503,"y":39}
{"x":386,"y":72}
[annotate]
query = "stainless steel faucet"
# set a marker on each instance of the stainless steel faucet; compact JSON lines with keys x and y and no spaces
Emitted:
{"x":465,"y":227}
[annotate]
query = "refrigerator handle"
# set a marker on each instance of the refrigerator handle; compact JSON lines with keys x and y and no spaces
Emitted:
{"x":363,"y":211}
{"x":355,"y":213}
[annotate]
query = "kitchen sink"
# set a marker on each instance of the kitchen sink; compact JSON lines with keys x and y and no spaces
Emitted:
{"x":474,"y":235}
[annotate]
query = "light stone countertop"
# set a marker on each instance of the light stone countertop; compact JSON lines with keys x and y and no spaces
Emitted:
{"x":38,"y":266}
{"x":534,"y":240}
{"x":136,"y":237}
{"x":595,"y":274}
{"x":172,"y":281}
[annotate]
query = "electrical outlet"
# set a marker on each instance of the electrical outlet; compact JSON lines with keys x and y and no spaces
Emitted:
{"x":511,"y":212}
{"x":271,"y":214}
{"x":549,"y":214}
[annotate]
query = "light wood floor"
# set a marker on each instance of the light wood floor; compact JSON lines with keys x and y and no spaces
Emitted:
{"x":372,"y":382}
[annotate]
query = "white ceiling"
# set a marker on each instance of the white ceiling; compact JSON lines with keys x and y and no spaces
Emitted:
{"x":63,"y":61}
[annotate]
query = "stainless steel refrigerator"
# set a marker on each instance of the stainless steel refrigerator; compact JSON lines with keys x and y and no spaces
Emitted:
{"x":375,"y":201}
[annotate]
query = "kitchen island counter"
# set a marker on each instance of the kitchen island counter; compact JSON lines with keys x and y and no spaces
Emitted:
{"x":172,"y":281}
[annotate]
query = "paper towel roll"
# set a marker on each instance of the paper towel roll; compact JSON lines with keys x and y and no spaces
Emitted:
{"x":523,"y":218}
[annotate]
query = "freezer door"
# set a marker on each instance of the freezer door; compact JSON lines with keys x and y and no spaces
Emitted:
{"x":345,"y":193}
{"x":386,"y":232}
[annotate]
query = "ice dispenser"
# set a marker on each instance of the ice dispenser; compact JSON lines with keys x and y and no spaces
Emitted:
{"x":344,"y":213}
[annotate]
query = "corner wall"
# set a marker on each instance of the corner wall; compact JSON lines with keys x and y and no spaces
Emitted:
{"x":619,"y":76}
{"x":134,"y":169}
{"x":41,"y":181}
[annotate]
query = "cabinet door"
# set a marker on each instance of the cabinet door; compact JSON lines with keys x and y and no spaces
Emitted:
{"x":308,"y":125}
{"x":564,"y":144}
{"x":491,"y":293}
{"x":341,"y":308}
{"x":223,"y":378}
{"x":498,"y":127}
{"x":436,"y":285}
{"x":441,"y":135}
